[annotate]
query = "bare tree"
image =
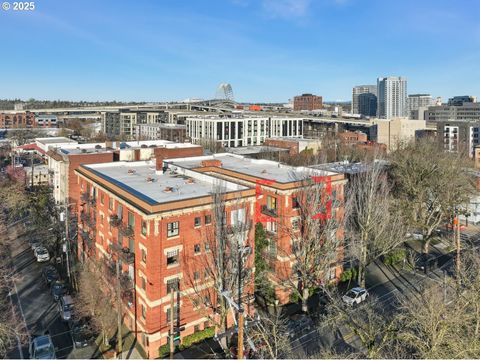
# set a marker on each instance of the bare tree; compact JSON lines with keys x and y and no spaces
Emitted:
{"x":226,"y":263}
{"x":429,"y":184}
{"x":374,"y":227}
{"x":316,"y":235}
{"x":91,"y":303}
{"x":370,"y":323}
{"x":269,"y":334}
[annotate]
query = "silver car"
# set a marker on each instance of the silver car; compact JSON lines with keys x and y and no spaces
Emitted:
{"x":65,"y":306}
{"x":355,"y":296}
{"x":42,"y":347}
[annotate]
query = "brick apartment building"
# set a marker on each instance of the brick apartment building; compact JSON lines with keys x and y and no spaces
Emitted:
{"x":17,"y":120}
{"x":277,"y":189}
{"x":307,"y":102}
{"x":155,"y":218}
{"x":352,"y":137}
{"x":295,"y":146}
{"x":154,"y":222}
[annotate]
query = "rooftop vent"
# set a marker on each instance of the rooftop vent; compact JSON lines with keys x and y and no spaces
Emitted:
{"x":144,"y":146}
{"x":131,"y":171}
{"x":264,"y":171}
{"x":190,"y":181}
{"x":168,"y":189}
{"x":98,"y":146}
{"x":150,"y":179}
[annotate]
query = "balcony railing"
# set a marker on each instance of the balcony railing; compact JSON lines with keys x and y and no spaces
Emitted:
{"x":269,"y":211}
{"x":127,"y":255}
{"x":127,"y":231}
{"x":115,"y":221}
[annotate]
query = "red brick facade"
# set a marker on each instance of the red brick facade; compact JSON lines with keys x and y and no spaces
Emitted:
{"x":352,"y":137}
{"x":17,"y":120}
{"x":307,"y":102}
{"x":147,"y":239}
{"x":290,"y":144}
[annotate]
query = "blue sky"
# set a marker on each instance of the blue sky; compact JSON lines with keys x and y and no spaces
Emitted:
{"x":269,"y":50}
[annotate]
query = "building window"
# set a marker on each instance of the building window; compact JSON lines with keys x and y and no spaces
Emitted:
{"x":296,"y":224}
{"x":144,"y":256}
{"x":206,"y":275}
{"x":144,"y":227}
{"x":144,"y":283}
{"x":208,"y":219}
{"x":196,"y":275}
{"x":110,"y":204}
{"x":197,"y":249}
{"x":102,"y":198}
{"x":207,"y":247}
{"x":295,"y":203}
{"x":206,"y":324}
{"x":172,"y":257}
{"x":101,"y":219}
{"x":271,"y":202}
{"x":173,"y":285}
{"x":144,"y":312}
{"x":172,"y":229}
{"x":196,"y":328}
{"x":272,"y":227}
{"x":198,"y":221}
{"x":131,"y":220}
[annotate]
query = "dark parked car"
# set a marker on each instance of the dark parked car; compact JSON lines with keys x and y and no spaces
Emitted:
{"x":82,"y":334}
{"x":58,"y":290}
{"x":425,"y":262}
{"x":50,"y":274}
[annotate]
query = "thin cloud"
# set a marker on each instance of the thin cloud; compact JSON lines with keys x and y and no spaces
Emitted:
{"x":286,"y":8}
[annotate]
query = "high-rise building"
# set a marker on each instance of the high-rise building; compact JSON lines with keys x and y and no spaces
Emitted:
{"x":364,"y":100}
{"x":307,"y":102}
{"x":392,"y":97}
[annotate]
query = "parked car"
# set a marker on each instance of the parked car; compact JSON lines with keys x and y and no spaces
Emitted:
{"x":82,"y":334}
{"x":298,"y":324}
{"x":41,"y":253}
{"x":65,"y":306}
{"x":425,"y":262}
{"x":57,"y":290}
{"x":355,"y":296}
{"x":50,"y":274}
{"x":42,"y":347}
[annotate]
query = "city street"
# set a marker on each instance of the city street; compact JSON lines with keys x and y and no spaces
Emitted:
{"x":35,"y":302}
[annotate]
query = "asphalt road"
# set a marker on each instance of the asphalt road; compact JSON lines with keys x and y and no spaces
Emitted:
{"x":39,"y":310}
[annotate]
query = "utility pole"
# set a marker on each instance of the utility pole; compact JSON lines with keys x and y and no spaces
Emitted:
{"x":119,"y":313}
{"x":240,"y":309}
{"x":172,"y":303}
{"x":31,"y":161}
{"x":456,"y":235}
{"x":67,"y":242}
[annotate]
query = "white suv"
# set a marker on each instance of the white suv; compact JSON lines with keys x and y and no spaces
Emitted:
{"x":355,"y":296}
{"x":41,"y":253}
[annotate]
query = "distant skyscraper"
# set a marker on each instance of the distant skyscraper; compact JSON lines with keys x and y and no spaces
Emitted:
{"x":392,"y":97}
{"x":367,"y":100}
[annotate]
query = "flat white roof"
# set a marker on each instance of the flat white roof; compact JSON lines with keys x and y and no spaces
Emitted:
{"x":263,"y":169}
{"x":164,"y":187}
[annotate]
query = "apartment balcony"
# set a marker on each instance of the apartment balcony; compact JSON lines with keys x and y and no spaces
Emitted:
{"x":115,"y":221}
{"x":127,"y":255}
{"x":126,"y":230}
{"x":272,"y":212}
{"x":125,"y":282}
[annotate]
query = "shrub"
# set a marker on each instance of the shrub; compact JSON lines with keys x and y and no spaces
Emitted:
{"x":395,"y":257}
{"x":189,"y":340}
{"x":163,"y":351}
{"x":348,"y":275}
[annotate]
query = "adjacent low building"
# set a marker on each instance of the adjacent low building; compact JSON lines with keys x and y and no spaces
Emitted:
{"x":242,"y":131}
{"x":466,"y":112}
{"x":11,"y":120}
{"x":294,"y":146}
